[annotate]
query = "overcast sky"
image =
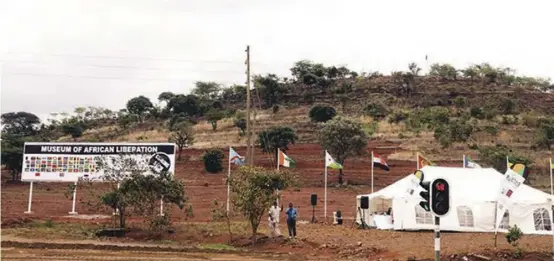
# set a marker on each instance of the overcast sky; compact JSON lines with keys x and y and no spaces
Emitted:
{"x":60,"y":54}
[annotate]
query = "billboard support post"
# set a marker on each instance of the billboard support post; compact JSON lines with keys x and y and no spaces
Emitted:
{"x":74,"y":199}
{"x":30,"y":198}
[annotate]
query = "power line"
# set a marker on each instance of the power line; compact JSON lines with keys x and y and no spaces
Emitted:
{"x":108,"y":77}
{"x":130,"y":58}
{"x":125,"y":67}
{"x":143,"y":58}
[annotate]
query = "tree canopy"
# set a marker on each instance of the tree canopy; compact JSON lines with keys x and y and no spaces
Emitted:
{"x":20,"y":123}
{"x":343,"y":138}
{"x":254,"y":190}
{"x":139,"y":106}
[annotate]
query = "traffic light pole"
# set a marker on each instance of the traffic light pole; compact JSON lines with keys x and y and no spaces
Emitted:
{"x":437,"y":238}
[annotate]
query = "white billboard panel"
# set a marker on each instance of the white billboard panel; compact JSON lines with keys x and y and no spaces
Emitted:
{"x":67,"y":162}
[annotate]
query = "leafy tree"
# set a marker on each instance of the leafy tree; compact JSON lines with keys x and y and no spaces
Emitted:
{"x":12,"y":154}
{"x":488,"y":73}
{"x":74,"y":129}
{"x":188,"y":105}
{"x":212,"y":160}
{"x":125,"y":120}
{"x":138,"y":194}
{"x":376,"y":110}
{"x":276,"y":138}
{"x":444,"y":71}
{"x":545,"y":133}
{"x":306,"y":67}
{"x":495,"y":156}
{"x":254,"y":190}
{"x":471,"y":72}
{"x":343,"y":138}
{"x":322,"y":113}
{"x":213,"y":116}
{"x":206,"y":90}
{"x":183,"y":136}
{"x":241,"y":124}
{"x":456,"y":131}
{"x":414,"y":69}
{"x":508,"y":106}
{"x":166,"y":96}
{"x":20,"y":123}
{"x":139,"y":106}
{"x":477,"y":112}
{"x":271,"y":88}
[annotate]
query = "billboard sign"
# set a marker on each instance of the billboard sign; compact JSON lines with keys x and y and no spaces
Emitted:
{"x":67,"y":162}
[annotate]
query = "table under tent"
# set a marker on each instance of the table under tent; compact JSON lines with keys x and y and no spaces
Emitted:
{"x":473,"y":208}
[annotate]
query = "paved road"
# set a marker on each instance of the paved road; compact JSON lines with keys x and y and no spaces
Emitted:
{"x":9,"y":254}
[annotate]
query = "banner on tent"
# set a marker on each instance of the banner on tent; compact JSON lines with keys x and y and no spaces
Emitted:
{"x":67,"y":162}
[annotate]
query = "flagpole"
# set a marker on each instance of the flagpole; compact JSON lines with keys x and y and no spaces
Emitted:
{"x":325,"y":205}
{"x":507,"y":163}
{"x":371,"y":172}
{"x":278,"y":161}
{"x":551,"y":173}
{"x":551,"y":192}
{"x":278,"y":158}
{"x":228,"y":179}
{"x":417,"y":160}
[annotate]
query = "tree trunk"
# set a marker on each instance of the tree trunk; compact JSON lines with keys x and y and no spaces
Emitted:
{"x":180,"y":151}
{"x":121,"y":218}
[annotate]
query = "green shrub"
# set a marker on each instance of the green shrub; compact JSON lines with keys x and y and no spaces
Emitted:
{"x":514,"y":235}
{"x":477,"y":113}
{"x":545,"y":133}
{"x":212,"y":160}
{"x":509,"y":120}
{"x":460,"y":102}
{"x":322,"y":113}
{"x":398,"y":116}
{"x":492,"y":130}
{"x":508,"y":106}
{"x":455,"y":131}
{"x":376,"y":110}
{"x":495,"y":156}
{"x":530,"y":121}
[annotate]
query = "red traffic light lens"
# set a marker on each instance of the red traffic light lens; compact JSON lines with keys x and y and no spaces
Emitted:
{"x":440,"y":186}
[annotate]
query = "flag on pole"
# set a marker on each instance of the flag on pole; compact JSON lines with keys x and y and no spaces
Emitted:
{"x":469,"y":163}
{"x":330,"y":162}
{"x":380,"y":162}
{"x":519,"y":168}
{"x":284,"y":160}
{"x":422,"y":161}
{"x":235,"y":158}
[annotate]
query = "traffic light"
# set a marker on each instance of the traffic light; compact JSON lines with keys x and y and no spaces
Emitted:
{"x":440,"y":197}
{"x":425,"y":204}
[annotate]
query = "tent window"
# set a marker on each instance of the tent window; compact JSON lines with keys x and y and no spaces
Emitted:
{"x":542,"y":219}
{"x":465,"y":216}
{"x":505,"y":223}
{"x":422,"y":216}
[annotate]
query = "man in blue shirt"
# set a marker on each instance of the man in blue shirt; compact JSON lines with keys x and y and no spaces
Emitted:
{"x":291,"y":221}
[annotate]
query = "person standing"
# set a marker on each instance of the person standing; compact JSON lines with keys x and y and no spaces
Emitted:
{"x":291,"y":221}
{"x":274,"y":219}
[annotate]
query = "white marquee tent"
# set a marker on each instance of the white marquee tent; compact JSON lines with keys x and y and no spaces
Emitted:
{"x":473,"y":204}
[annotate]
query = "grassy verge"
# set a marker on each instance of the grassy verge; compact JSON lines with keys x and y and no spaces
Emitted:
{"x":52,"y":230}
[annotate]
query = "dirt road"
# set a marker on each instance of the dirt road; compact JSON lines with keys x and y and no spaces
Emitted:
{"x":85,"y":255}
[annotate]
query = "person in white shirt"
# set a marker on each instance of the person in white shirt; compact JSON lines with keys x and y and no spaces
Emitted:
{"x":273,"y":220}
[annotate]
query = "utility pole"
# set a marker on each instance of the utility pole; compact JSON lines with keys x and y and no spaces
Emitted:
{"x":249,"y":150}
